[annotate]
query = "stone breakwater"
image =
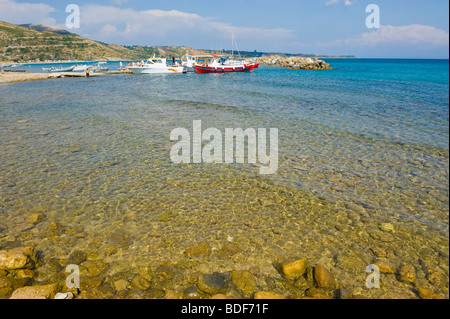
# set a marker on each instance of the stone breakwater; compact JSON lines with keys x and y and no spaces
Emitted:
{"x":294,"y":279}
{"x":295,"y":63}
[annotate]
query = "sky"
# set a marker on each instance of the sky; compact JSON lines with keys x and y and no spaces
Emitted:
{"x":408,"y":28}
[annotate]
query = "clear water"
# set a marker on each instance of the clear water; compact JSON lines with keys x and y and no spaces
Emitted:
{"x":360,"y":146}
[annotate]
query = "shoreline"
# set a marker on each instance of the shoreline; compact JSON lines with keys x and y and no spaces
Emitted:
{"x":13,"y":77}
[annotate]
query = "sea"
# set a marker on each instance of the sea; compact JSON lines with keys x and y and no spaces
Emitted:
{"x":363,"y":176}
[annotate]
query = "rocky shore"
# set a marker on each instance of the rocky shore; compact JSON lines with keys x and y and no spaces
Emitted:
{"x":293,"y":279}
{"x":295,"y":63}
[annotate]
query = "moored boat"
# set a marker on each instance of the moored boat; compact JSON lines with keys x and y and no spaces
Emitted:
{"x":156,"y":66}
{"x":98,"y":67}
{"x":190,"y":60}
{"x":80,"y":68}
{"x":61,"y":69}
{"x":224,"y":65}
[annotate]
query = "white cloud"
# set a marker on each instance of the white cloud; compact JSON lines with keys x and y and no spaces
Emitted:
{"x":160,"y":27}
{"x":21,"y":13}
{"x":410,"y":34}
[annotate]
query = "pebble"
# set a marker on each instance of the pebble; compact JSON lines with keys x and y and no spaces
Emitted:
{"x":94,"y":268}
{"x":388,"y":227}
{"x":324,"y":278}
{"x":428,"y":294}
{"x":344,"y":293}
{"x":244,"y":281}
{"x":101,"y":292}
{"x":379,"y":252}
{"x":303,"y":284}
{"x":18,"y":258}
{"x":212,"y":284}
{"x":192,"y":293}
{"x":25,"y":273}
{"x":198,"y":249}
{"x":35,"y":292}
{"x":318,"y":293}
{"x":268,"y":295}
{"x":385,"y":267}
{"x":228,"y":250}
{"x":437,"y":279}
{"x":36,"y":218}
{"x":76,"y":257}
{"x":140,"y":283}
{"x":407,"y":274}
{"x":121,"y":284}
{"x":295,"y":269}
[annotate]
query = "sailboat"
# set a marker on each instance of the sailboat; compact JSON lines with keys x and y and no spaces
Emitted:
{"x":225,"y":64}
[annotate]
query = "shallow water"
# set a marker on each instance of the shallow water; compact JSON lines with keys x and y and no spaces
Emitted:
{"x":361,"y":146}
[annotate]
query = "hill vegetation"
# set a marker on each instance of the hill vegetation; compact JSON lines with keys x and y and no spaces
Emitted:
{"x":40,"y":43}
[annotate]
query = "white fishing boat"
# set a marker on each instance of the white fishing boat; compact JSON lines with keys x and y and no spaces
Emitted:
{"x":61,"y":69}
{"x":189,"y":61}
{"x":156,"y":66}
{"x":80,"y":68}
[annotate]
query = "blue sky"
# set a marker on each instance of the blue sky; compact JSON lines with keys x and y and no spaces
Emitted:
{"x":409,"y":29}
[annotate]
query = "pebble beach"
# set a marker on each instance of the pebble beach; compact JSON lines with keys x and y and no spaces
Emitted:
{"x":362,"y":181}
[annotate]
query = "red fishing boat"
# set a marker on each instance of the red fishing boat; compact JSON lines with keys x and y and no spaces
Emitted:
{"x":224,"y":65}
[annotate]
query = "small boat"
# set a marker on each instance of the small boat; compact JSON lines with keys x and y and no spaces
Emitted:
{"x":190,"y":60}
{"x":156,"y":66}
{"x":224,"y":65}
{"x":97,"y":68}
{"x":80,"y":68}
{"x":61,"y":69}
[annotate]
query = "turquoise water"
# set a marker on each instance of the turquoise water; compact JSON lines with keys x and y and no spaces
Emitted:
{"x":361,"y":146}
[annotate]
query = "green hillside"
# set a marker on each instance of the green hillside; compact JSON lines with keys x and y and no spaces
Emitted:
{"x":26,"y":43}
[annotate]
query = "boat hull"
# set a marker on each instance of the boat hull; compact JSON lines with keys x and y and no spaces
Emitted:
{"x":69,"y":69}
{"x":224,"y":68}
{"x":168,"y":70}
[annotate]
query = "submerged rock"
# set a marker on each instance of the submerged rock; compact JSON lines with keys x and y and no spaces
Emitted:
{"x":140,"y":283}
{"x":324,"y":278}
{"x":121,"y":284}
{"x":428,"y":294}
{"x":212,"y":284}
{"x":385,"y":267}
{"x":35,"y":292}
{"x":407,"y":274}
{"x":18,"y":258}
{"x":318,"y":293}
{"x":244,"y":281}
{"x":295,"y":269}
{"x":198,"y":249}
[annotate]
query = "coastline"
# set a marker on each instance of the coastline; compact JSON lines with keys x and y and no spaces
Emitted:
{"x":12,"y":77}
